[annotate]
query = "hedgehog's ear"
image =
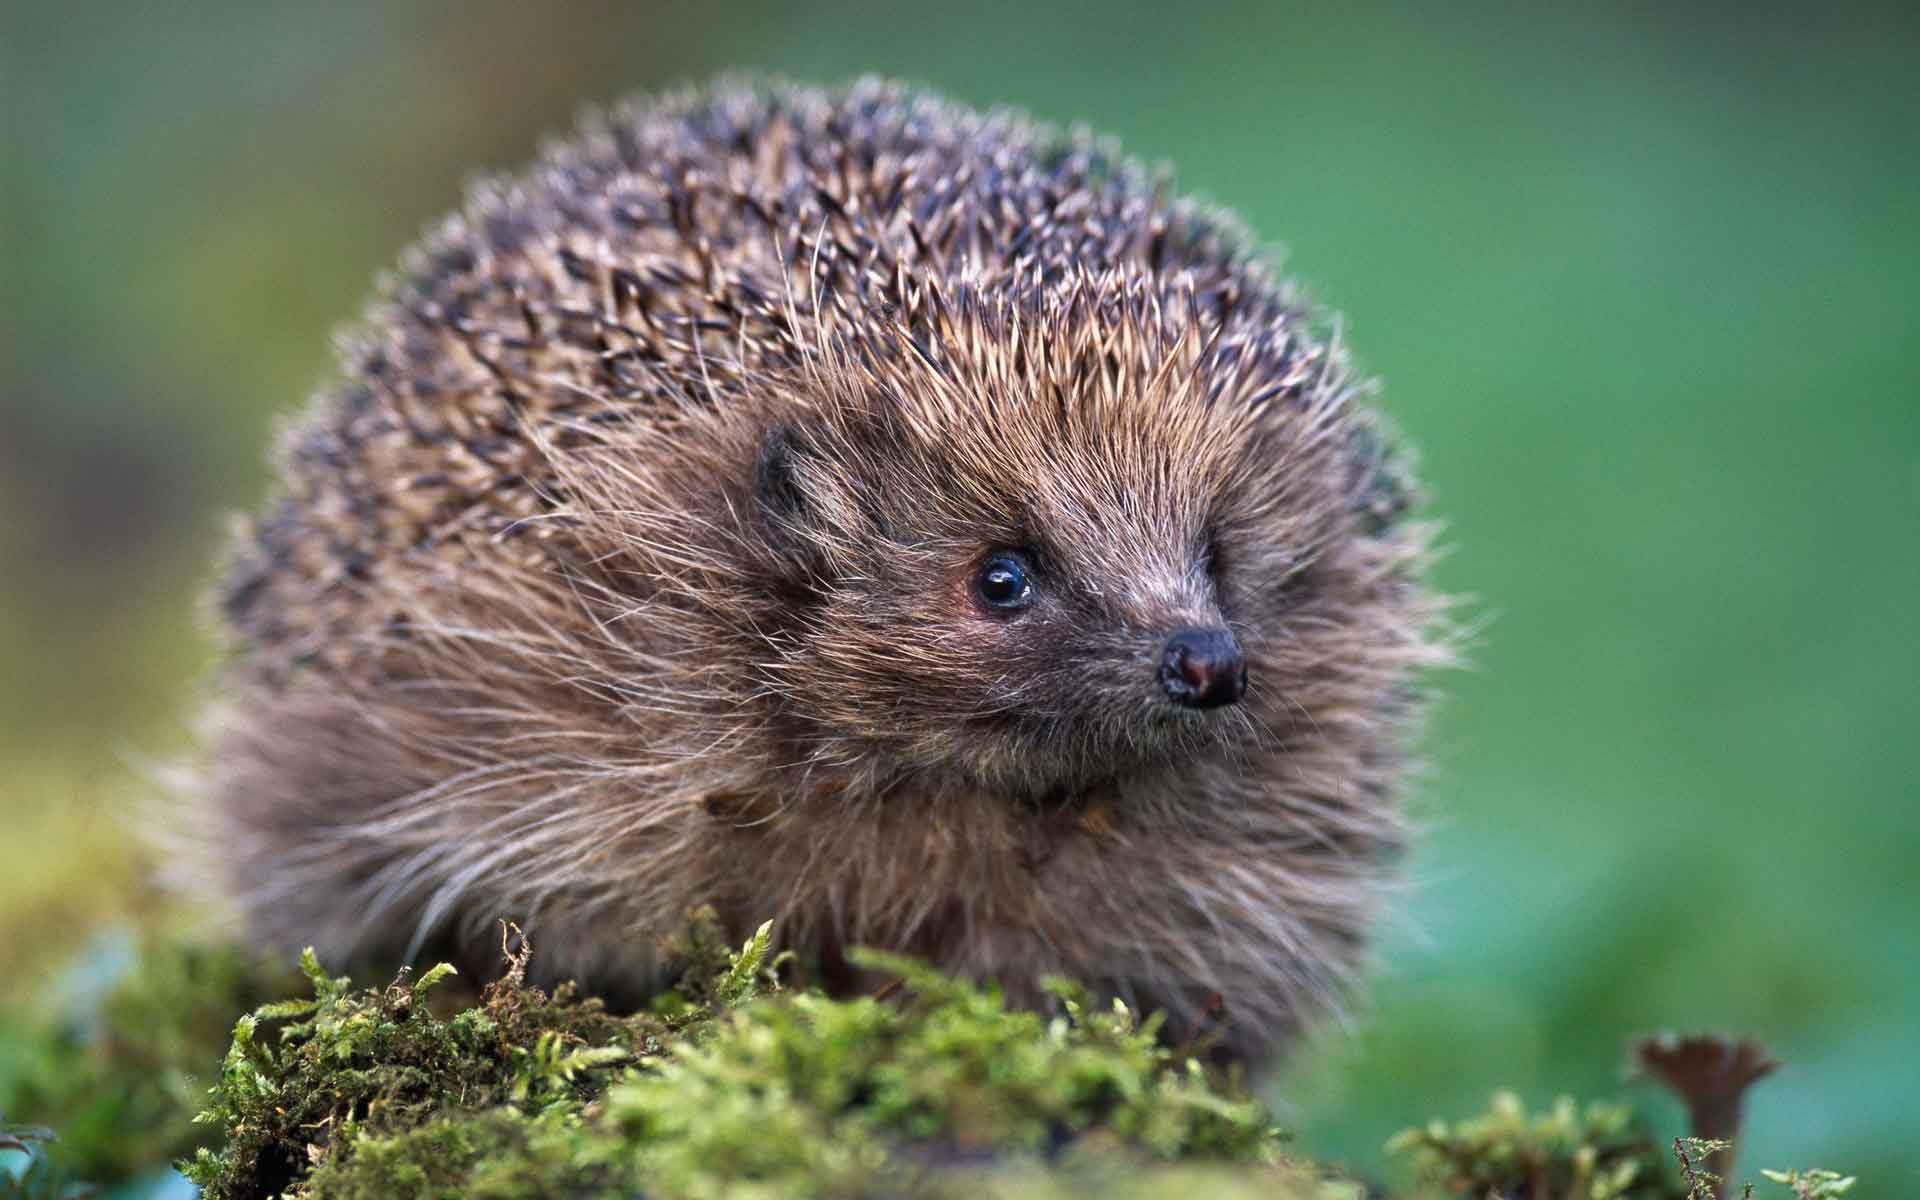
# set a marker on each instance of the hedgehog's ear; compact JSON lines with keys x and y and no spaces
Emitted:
{"x":777,"y":483}
{"x":785,"y":508}
{"x":1381,"y":491}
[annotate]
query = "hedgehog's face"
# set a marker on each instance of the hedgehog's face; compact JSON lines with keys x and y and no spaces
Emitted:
{"x":1040,"y":595}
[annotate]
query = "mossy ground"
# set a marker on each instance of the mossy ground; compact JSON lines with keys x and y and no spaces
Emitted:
{"x":730,"y":1085}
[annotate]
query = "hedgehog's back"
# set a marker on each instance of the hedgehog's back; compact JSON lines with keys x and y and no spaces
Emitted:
{"x":666,"y":256}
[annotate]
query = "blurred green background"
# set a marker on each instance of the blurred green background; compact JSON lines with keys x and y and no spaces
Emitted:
{"x":1641,"y":281}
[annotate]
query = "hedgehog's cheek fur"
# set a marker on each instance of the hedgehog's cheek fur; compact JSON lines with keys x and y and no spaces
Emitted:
{"x":1059,"y":695}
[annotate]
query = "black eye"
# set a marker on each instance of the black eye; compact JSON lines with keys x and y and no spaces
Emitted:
{"x":1003,"y":584}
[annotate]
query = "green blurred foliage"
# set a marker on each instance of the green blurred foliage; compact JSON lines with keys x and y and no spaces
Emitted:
{"x":118,"y":1061}
{"x":1640,"y":280}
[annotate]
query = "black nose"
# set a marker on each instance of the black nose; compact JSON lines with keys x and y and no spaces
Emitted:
{"x":1203,"y":668}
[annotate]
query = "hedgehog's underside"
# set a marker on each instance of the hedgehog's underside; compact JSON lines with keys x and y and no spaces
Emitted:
{"x":610,"y":581}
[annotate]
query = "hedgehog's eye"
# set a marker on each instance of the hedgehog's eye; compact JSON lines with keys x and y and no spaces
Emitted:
{"x":1213,"y":560}
{"x":1003,"y":584}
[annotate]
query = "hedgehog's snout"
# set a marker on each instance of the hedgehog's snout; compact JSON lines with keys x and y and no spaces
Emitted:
{"x":1203,"y":668}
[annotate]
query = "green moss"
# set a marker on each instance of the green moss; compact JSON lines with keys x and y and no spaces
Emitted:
{"x":1593,"y":1153}
{"x":727,"y":1085}
{"x":1599,"y":1152}
{"x":500,"y":1155}
{"x":496,"y":1152}
{"x":1814,"y":1184}
{"x":746,"y":1090}
{"x":348,"y":1067}
{"x":809,"y":1096}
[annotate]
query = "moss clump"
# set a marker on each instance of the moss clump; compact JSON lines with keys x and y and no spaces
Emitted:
{"x":727,"y":1085}
{"x":1813,"y":1185}
{"x":348,"y":1066}
{"x":809,"y":1096}
{"x":1572,"y":1153}
{"x":1591,"y":1153}
{"x":744,"y":1090}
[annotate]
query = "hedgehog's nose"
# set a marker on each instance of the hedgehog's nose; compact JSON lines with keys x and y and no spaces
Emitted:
{"x":1203,"y":668}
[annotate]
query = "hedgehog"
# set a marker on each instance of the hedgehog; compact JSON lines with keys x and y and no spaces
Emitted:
{"x":913,"y":525}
